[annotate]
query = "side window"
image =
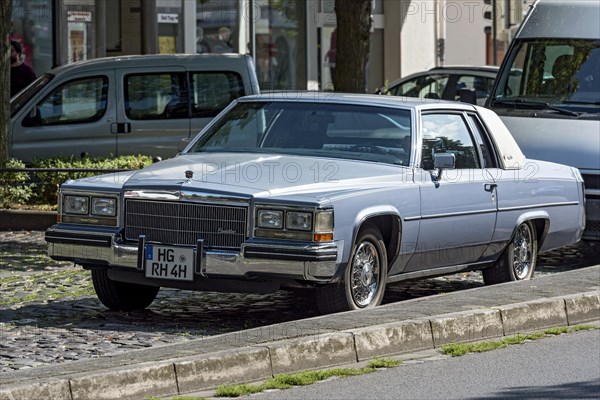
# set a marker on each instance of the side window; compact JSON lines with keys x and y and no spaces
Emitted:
{"x":156,"y":96}
{"x":428,"y":87}
{"x":482,"y":140}
{"x":448,"y":133}
{"x":482,"y":86}
{"x":213,"y":91}
{"x":77,"y":101}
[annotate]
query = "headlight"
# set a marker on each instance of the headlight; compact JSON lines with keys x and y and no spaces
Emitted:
{"x":105,"y":207}
{"x":269,"y":219}
{"x":301,"y":221}
{"x":88,"y":209}
{"x":76,"y":205}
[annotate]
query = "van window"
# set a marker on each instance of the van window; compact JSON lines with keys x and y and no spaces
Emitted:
{"x":557,"y":71}
{"x":213,"y":91}
{"x":156,"y":96}
{"x":76,"y":101}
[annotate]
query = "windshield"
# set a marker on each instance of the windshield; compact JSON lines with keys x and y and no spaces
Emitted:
{"x":312,"y":129}
{"x":560,"y":72}
{"x":21,"y":98}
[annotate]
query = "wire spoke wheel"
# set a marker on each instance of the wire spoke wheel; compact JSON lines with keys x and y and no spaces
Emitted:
{"x":517,"y":262}
{"x":364,"y":278}
{"x":523,"y":252}
{"x":366,"y":268}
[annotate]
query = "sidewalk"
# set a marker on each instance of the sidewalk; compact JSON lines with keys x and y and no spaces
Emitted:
{"x":561,"y":299}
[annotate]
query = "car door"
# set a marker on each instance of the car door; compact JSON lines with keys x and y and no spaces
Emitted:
{"x":458,"y":210}
{"x":153,"y":114}
{"x":71,"y":117}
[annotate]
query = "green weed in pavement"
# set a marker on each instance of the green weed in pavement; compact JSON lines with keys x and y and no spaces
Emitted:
{"x":286,"y":381}
{"x":459,"y":349}
{"x":557,"y":331}
{"x":578,"y":328}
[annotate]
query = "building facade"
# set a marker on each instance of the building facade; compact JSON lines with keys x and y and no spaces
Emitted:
{"x":291,"y":41}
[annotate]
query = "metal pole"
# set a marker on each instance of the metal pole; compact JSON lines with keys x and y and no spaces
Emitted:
{"x":252,"y":26}
{"x":494,"y":50}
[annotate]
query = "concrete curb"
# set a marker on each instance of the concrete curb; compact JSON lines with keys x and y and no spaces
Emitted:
{"x":263,"y":360}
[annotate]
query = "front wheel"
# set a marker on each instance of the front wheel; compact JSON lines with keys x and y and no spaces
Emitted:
{"x":122,"y":296}
{"x":519,"y":259}
{"x":363,"y":282}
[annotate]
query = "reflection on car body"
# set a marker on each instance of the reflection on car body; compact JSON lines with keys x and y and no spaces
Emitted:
{"x":339,"y":193}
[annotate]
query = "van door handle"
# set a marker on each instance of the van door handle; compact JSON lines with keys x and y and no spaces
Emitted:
{"x":121,"y":127}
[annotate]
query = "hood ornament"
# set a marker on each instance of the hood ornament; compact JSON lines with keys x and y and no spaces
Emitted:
{"x":189,"y":174}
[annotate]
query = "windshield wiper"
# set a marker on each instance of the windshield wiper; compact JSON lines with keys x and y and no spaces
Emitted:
{"x":532,"y":103}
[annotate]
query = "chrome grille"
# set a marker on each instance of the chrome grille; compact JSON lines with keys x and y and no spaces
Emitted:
{"x":180,"y":223}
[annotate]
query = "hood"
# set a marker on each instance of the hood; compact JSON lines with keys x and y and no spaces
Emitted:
{"x":265,"y":175}
{"x":564,"y":141}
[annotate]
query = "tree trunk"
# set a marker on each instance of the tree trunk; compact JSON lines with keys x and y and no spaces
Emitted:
{"x":5,"y":23}
{"x":352,"y":47}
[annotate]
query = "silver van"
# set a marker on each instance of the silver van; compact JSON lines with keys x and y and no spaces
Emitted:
{"x":548,"y":92}
{"x":129,"y":105}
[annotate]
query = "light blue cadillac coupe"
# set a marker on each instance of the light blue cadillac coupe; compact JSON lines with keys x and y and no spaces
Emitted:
{"x":338,"y":193}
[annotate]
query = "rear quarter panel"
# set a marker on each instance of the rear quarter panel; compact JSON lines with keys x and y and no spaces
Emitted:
{"x":540,"y":191}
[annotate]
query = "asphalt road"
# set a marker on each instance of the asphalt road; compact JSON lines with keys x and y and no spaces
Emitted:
{"x":561,"y":367}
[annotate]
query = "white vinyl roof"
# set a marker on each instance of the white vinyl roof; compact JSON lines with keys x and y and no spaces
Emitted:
{"x":510,"y":153}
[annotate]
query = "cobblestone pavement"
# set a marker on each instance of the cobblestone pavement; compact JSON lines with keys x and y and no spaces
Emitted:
{"x":49,"y":313}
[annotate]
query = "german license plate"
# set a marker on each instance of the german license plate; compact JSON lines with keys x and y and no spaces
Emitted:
{"x":168,"y":262}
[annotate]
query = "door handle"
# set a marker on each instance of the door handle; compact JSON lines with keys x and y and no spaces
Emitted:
{"x":121,"y":127}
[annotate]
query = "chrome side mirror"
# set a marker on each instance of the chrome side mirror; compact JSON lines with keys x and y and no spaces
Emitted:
{"x":443,"y":161}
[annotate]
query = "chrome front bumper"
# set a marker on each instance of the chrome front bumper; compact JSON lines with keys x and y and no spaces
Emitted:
{"x":302,"y":261}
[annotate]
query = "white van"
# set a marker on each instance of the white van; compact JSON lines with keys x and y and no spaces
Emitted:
{"x":130,"y":105}
{"x":548,"y":92}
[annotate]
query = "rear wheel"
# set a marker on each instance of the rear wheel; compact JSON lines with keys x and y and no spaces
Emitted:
{"x":519,"y":259}
{"x":122,"y":296}
{"x":363,"y":282}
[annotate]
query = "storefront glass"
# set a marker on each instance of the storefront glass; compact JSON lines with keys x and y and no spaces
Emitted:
{"x":217,"y":26}
{"x":280,"y":55}
{"x":170,"y":26}
{"x":81,"y":18}
{"x":32,"y":28}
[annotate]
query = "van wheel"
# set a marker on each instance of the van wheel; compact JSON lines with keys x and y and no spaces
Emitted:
{"x":519,"y":259}
{"x":364,"y":279}
{"x":122,"y":296}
